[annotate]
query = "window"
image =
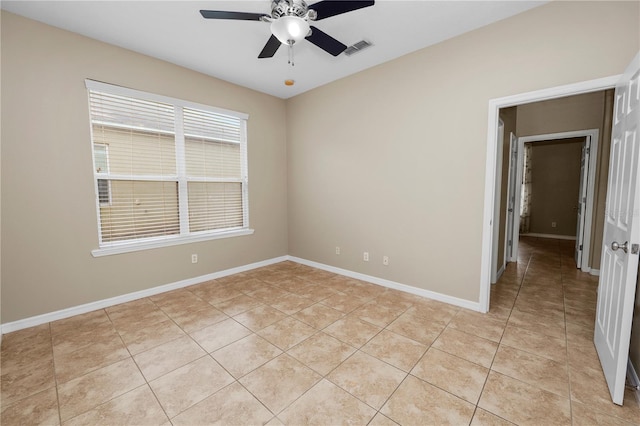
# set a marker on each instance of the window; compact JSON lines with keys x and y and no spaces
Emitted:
{"x":101,"y":161}
{"x":166,"y":171}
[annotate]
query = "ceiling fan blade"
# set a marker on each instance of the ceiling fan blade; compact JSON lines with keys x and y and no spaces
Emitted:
{"x":270,"y":48}
{"x":328,"y":8}
{"x":241,"y":16}
{"x":325,"y":42}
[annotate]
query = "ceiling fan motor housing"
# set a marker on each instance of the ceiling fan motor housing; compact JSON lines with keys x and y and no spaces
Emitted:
{"x":297,"y":8}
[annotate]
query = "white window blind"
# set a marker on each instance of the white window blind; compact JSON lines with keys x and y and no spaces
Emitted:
{"x":165,"y":168}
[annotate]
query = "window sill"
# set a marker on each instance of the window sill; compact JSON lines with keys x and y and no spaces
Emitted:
{"x":165,"y":242}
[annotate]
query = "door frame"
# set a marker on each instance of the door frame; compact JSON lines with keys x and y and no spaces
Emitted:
{"x":491,"y":158}
{"x":497,"y":270}
{"x":591,"y":185}
{"x":511,"y":190}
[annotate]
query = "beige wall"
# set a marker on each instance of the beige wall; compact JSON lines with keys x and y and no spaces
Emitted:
{"x":380,"y":161}
{"x":567,"y":114}
{"x":555,"y":187}
{"x":49,"y":224}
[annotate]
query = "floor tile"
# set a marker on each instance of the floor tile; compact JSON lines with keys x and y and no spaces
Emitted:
{"x":266,"y":383}
{"x":88,"y":391}
{"x":83,"y":322}
{"x":167,"y":357}
{"x":535,"y":370}
{"x":397,"y":350}
{"x":485,"y":418}
{"x":550,"y":326}
{"x":190,"y":384}
{"x":219,"y":335}
{"x":321,"y":352}
{"x":352,"y":331}
{"x":585,"y":415}
{"x":343,"y":302}
{"x":23,"y":382}
{"x":291,"y":303}
{"x":139,"y":340}
{"x":136,"y":407}
{"x":455,"y":375}
{"x":588,"y":387}
{"x":376,"y":314}
{"x":193,"y":320}
{"x":367,"y":378}
{"x":327,"y":404}
{"x":419,"y":403}
{"x":478,"y":325}
{"x":238,"y":305}
{"x":245,"y":355}
{"x":73,"y":341}
{"x":287,"y":333}
{"x":382,"y":420}
{"x":135,"y":315}
{"x":536,"y":343}
{"x":231,"y":405}
{"x":466,"y":346}
{"x":40,"y":408}
{"x":521,"y":403}
{"x":417,"y":328}
{"x":74,"y":364}
{"x":260,"y":317}
{"x":318,"y":316}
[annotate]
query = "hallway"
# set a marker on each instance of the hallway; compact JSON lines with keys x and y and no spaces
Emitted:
{"x":550,"y":306}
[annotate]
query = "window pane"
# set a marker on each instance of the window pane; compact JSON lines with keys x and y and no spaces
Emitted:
{"x":137,"y":153}
{"x":104,"y":196}
{"x":101,"y":159}
{"x":212,"y":159}
{"x":140,"y":209}
{"x":214,"y":205}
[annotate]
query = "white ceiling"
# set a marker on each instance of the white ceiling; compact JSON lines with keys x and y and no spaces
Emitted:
{"x":175,"y":32}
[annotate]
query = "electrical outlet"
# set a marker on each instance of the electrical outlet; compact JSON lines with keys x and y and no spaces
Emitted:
{"x":365,"y":256}
{"x":553,"y":224}
{"x":385,"y":260}
{"x":194,"y":258}
{"x":337,"y":250}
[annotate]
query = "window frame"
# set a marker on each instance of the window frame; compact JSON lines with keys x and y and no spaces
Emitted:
{"x":185,"y":236}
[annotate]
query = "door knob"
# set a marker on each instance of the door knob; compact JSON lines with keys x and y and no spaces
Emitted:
{"x":615,"y":246}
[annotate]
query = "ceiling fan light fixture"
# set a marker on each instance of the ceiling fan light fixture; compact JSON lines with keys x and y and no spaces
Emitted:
{"x":290,"y":29}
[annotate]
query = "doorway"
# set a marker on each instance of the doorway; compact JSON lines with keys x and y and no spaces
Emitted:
{"x":491,"y":162}
{"x":584,"y":202}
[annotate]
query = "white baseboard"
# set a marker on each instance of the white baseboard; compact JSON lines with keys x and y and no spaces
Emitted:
{"x":553,"y":236}
{"x":632,"y":377}
{"x":475,"y":306}
{"x":595,"y":272}
{"x":105,"y":303}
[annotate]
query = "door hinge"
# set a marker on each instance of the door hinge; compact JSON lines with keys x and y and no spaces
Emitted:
{"x":580,"y":246}
{"x":587,"y":151}
{"x":634,"y":248}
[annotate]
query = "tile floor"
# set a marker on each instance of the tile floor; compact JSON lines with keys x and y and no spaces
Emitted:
{"x":288,"y":344}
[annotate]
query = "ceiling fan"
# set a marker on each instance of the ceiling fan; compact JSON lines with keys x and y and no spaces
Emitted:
{"x":290,"y":23}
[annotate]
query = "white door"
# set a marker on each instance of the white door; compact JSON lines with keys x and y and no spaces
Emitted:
{"x":582,"y":200}
{"x":619,"y":266}
{"x":511,"y":196}
{"x":496,"y":206}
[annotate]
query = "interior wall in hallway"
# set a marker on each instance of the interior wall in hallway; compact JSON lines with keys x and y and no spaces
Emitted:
{"x":555,"y":169}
